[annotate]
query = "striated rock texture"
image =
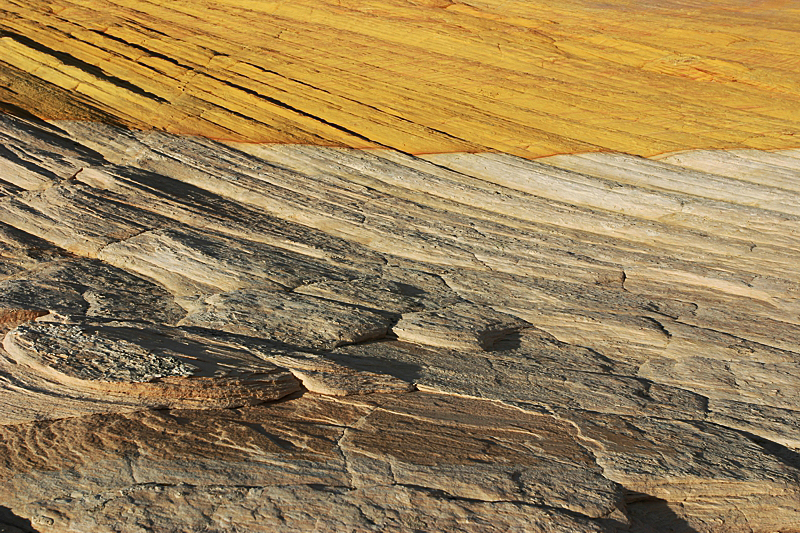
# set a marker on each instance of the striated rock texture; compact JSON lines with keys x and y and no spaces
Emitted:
{"x":393,"y":318}
{"x":529,"y":78}
{"x":201,"y":336}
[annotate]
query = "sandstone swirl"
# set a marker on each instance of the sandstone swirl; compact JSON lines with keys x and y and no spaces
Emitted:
{"x":460,"y":342}
{"x":399,"y":266}
{"x":420,"y":76}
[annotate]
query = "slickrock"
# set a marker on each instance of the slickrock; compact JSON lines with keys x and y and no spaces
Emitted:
{"x":295,"y":319}
{"x":748,"y":473}
{"x":459,"y":327}
{"x":398,"y":291}
{"x":324,"y":376}
{"x":79,"y":286}
{"x":421,"y":76}
{"x":464,"y":342}
{"x":20,"y":251}
{"x":533,"y":372}
{"x":389,"y":463}
{"x":399,"y":266}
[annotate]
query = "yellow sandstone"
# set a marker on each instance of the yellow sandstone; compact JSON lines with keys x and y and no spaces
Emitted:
{"x":420,"y":76}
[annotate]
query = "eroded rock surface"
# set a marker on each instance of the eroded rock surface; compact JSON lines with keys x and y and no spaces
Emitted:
{"x":313,"y":323}
{"x":510,"y":76}
{"x":343,"y":340}
{"x":460,"y":327}
{"x":149,"y":367}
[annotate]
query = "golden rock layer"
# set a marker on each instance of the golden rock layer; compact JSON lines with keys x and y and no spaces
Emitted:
{"x":419,"y":76}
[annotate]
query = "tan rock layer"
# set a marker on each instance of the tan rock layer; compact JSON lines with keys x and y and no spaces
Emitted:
{"x":590,"y":343}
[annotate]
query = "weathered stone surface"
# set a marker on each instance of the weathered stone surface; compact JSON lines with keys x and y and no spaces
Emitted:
{"x":146,"y":367}
{"x":664,"y":458}
{"x":324,"y":376}
{"x":534,"y":371}
{"x":509,"y":76}
{"x":305,"y":508}
{"x":466,"y":342}
{"x":91,"y":288}
{"x":299,"y":320}
{"x":461,"y":326}
{"x":395,"y":463}
{"x":35,"y":157}
{"x":398,"y":291}
{"x":318,"y":228}
{"x":20,"y":251}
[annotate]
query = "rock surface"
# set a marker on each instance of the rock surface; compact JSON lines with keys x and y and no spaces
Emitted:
{"x":419,"y":76}
{"x":462,"y":342}
{"x":399,"y":266}
{"x":145,"y":367}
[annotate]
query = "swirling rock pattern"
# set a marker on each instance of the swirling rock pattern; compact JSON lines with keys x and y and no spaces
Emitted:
{"x":399,"y":266}
{"x":461,"y":342}
{"x":420,"y":76}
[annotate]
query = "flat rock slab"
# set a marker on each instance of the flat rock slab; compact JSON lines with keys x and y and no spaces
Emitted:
{"x":88,"y":287}
{"x":773,"y":383}
{"x":726,"y":478}
{"x":296,"y":319}
{"x":146,"y":366}
{"x":192,"y":262}
{"x":408,"y":291}
{"x":315,"y":463}
{"x":293,"y":508}
{"x":531,"y":370}
{"x":461,"y":326}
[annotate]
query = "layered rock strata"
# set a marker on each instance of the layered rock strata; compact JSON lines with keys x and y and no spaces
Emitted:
{"x":345,"y":340}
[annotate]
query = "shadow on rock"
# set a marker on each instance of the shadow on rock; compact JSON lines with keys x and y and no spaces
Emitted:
{"x":780,"y":452}
{"x":511,"y":341}
{"x":649,"y":514}
{"x":407,"y":372}
{"x":11,"y":523}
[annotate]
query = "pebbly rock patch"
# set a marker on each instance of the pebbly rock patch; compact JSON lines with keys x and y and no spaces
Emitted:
{"x":147,"y":366}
